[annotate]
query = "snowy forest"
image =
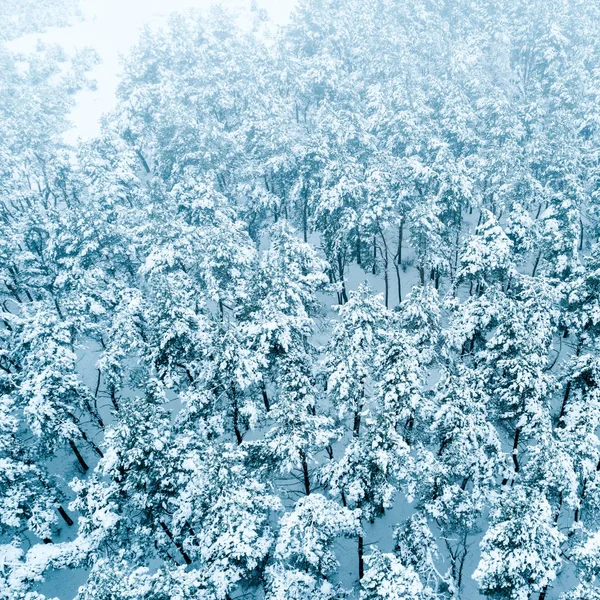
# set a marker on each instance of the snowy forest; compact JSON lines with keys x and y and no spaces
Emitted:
{"x":314,"y":317}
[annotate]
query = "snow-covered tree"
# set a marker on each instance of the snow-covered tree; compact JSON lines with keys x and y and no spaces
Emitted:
{"x":164,"y":331}
{"x":455,"y":480}
{"x":350,"y":353}
{"x":387,"y":577}
{"x":521,"y":550}
{"x":306,"y":544}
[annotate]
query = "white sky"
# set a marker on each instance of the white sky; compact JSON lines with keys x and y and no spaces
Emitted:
{"x":111,"y":27}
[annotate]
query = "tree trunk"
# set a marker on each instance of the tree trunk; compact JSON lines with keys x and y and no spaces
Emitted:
{"x":96,"y":411}
{"x":344,"y":295}
{"x":568,"y":387}
{"x":238,"y":434}
{"x":399,"y":282}
{"x":361,"y":563}
{"x":94,"y":447}
{"x":398,"y":257}
{"x":58,"y":310}
{"x":113,"y":398}
{"x":386,"y":280}
{"x":265,"y":397}
{"x":236,"y":416}
{"x":305,"y":474}
{"x":536,"y":263}
{"x":516,"y":449}
{"x":539,"y":211}
{"x":63,"y":513}
{"x":82,"y":462}
{"x":143,"y":161}
{"x":356,"y":426}
{"x":457,"y":244}
{"x":188,"y":560}
{"x":305,"y":215}
{"x":333,"y":279}
{"x":385,"y":253}
{"x":374,"y":269}
{"x":582,"y":496}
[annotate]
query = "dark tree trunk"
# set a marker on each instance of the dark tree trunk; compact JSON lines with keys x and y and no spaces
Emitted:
{"x":582,"y":497}
{"x":361,"y":562}
{"x":515,"y":451}
{"x":98,"y":380}
{"x":94,"y":447}
{"x":236,"y":416}
{"x":63,"y":513}
{"x":82,"y":462}
{"x":305,"y":216}
{"x":539,"y":211}
{"x":457,"y":245}
{"x":356,"y":426}
{"x":143,"y":161}
{"x":399,"y":282}
{"x":343,"y":293}
{"x":398,"y":257}
{"x":265,"y":397}
{"x":536,"y":263}
{"x":58,"y":310}
{"x":238,"y":434}
{"x":374,"y":268}
{"x":386,"y":280}
{"x":305,"y":475}
{"x":305,"y":223}
{"x":568,"y":386}
{"x":113,"y":398}
{"x":385,"y":254}
{"x":188,"y":560}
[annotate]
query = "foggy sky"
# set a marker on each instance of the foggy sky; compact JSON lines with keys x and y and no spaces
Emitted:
{"x":111,"y":27}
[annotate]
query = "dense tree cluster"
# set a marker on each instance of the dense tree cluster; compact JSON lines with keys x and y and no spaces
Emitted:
{"x":199,"y":396}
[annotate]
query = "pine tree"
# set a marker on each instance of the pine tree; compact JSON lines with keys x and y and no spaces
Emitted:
{"x":350,"y":353}
{"x":455,"y":479}
{"x":521,"y":551}
{"x":305,"y":548}
{"x":387,"y":577}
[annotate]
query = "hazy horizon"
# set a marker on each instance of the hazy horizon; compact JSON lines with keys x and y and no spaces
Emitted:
{"x":112,"y":27}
